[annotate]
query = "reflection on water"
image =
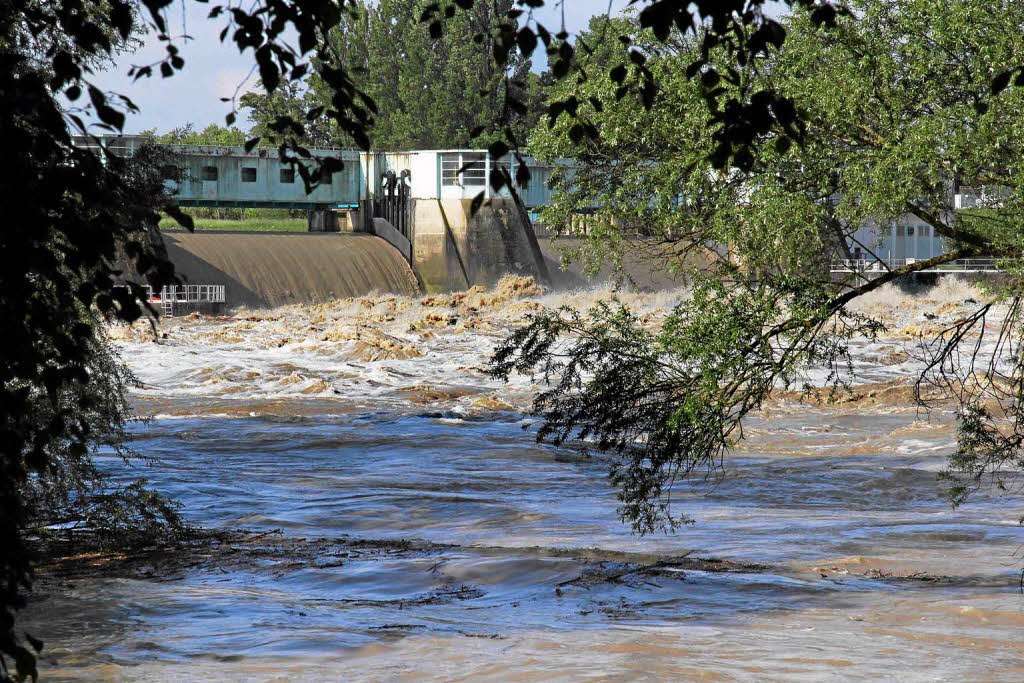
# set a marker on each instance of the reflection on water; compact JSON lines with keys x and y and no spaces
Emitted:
{"x":524,"y":570}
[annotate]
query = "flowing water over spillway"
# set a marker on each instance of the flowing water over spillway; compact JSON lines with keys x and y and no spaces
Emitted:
{"x":424,"y":533}
{"x":273,"y":268}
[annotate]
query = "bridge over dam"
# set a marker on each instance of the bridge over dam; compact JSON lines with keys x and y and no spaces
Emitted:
{"x":401,"y":222}
{"x":388,"y":222}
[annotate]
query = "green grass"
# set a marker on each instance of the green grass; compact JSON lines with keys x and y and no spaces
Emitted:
{"x":248,"y":224}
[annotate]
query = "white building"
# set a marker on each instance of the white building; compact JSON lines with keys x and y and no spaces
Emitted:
{"x":909,"y":237}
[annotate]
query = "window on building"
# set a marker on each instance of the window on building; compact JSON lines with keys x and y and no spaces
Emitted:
{"x":209,"y":173}
{"x":450,"y":168}
{"x":474,"y":172}
{"x":899,"y":231}
{"x":475,"y":169}
{"x":326,"y":177}
{"x":248,"y":174}
{"x":287,"y":175}
{"x":170,"y":173}
{"x":910,"y":231}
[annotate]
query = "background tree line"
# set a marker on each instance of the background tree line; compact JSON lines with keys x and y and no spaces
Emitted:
{"x":432,"y":92}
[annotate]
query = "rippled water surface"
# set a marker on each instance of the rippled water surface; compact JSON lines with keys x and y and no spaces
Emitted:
{"x":439,"y":540}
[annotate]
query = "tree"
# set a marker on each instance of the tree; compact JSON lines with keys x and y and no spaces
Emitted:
{"x":71,"y":492}
{"x":71,"y":216}
{"x":211,"y":135}
{"x":450,"y":86}
{"x":291,"y":100}
{"x":889,"y":98}
{"x":432,"y":92}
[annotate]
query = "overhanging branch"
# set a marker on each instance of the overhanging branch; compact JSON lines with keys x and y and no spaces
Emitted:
{"x":934,"y":219}
{"x":915,"y":267}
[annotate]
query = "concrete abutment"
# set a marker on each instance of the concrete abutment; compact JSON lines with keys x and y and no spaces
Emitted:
{"x":453,"y":249}
{"x":449,"y":248}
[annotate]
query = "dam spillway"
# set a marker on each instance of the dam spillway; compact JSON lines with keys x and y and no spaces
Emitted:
{"x":275,"y":269}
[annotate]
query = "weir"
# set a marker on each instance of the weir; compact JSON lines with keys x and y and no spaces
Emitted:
{"x":418,"y":204}
{"x":261,"y":269}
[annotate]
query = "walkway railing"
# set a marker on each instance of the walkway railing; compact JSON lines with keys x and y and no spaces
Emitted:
{"x":185,"y":294}
{"x":972,"y":265}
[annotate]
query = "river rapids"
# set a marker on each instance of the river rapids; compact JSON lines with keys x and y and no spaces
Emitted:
{"x":408,"y":526}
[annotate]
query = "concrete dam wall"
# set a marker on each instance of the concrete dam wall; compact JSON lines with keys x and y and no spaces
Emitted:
{"x":274,"y":269}
{"x":451,"y":249}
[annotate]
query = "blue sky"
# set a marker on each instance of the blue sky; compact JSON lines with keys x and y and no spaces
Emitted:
{"x":214,"y":70}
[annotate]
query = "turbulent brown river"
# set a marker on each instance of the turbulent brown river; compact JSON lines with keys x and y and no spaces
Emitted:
{"x":447,"y":544}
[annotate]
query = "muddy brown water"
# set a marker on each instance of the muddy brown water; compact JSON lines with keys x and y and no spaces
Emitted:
{"x":440,"y":541}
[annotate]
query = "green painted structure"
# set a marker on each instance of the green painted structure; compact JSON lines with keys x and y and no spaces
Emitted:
{"x":220,"y":175}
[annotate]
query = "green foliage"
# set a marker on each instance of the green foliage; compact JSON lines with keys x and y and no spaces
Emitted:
{"x":875,"y":101}
{"x":70,"y":491}
{"x":211,"y":135}
{"x":669,"y":403}
{"x":888,"y":99}
{"x":988,"y":388}
{"x":289,"y":102}
{"x":66,"y":226}
{"x":984,"y":453}
{"x":742,"y":35}
{"x":70,"y":217}
{"x":431,"y":92}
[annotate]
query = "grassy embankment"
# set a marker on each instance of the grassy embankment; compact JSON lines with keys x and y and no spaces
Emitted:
{"x":250,"y":220}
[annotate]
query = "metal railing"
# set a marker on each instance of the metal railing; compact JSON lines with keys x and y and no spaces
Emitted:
{"x":974,"y":265}
{"x":170,"y":295}
{"x":187,"y":294}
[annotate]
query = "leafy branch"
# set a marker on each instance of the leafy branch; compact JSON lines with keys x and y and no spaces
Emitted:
{"x":670,"y":403}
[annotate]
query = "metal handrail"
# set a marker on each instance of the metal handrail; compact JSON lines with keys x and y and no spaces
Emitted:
{"x":878,"y":265}
{"x":187,"y":294}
